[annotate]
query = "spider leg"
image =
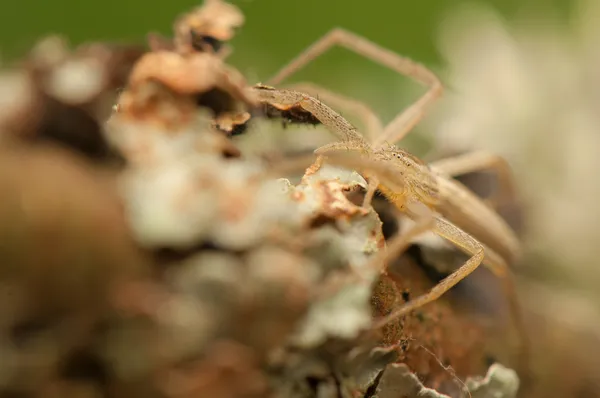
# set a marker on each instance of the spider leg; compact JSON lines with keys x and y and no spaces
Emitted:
{"x":480,"y":161}
{"x":479,"y":255}
{"x":351,"y":106}
{"x":344,"y":146}
{"x":405,"y":121}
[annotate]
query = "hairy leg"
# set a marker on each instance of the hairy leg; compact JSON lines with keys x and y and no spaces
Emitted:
{"x":344,"y":104}
{"x":479,"y":255}
{"x":464,"y":241}
{"x":371,"y":189}
{"x":333,"y":121}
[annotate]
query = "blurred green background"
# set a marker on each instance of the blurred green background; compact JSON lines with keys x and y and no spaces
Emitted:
{"x":275,"y":31}
{"x":278,"y":27}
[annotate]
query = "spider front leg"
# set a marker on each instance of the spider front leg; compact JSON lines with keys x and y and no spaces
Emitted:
{"x":360,"y":110}
{"x":405,"y":121}
{"x":287,"y":99}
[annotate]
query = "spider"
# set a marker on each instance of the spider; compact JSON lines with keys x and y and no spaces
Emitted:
{"x":425,"y":193}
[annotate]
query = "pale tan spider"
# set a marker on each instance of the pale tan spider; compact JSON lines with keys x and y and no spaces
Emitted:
{"x":426,"y":194}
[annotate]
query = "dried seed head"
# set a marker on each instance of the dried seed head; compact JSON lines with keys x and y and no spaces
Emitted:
{"x":18,"y":97}
{"x":61,"y":96}
{"x":194,"y":74}
{"x":232,"y":123}
{"x":207,"y":27}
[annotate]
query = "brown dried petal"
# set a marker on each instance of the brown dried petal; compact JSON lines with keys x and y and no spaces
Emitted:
{"x":232,"y":123}
{"x":192,"y":74}
{"x":207,"y":26}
